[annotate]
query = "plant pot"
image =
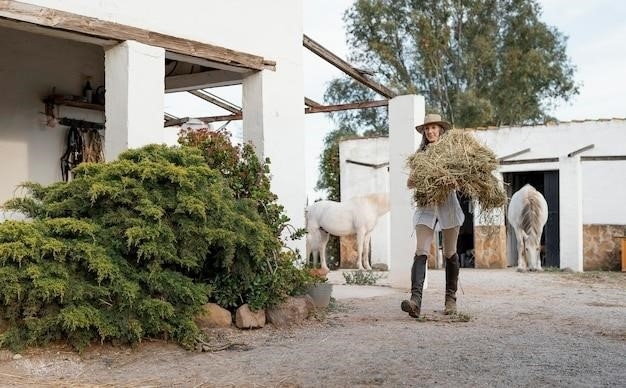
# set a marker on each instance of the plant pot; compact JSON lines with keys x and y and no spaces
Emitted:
{"x":320,"y":293}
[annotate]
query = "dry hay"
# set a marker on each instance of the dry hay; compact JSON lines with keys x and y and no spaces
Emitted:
{"x":456,"y":162}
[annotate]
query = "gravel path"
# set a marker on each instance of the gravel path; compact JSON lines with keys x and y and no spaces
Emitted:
{"x":531,"y":329}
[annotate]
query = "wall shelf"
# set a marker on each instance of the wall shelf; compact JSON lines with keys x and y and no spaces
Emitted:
{"x":57,"y":99}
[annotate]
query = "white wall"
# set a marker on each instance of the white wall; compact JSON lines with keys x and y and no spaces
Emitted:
{"x":603,"y":182}
{"x":30,"y":65}
{"x":359,"y":180}
{"x":271,"y":29}
{"x":134,"y":74}
{"x":604,"y":191}
{"x":256,"y":27}
{"x":405,"y":112}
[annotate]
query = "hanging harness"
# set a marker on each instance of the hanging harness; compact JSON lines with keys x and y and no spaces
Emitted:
{"x":73,"y":155}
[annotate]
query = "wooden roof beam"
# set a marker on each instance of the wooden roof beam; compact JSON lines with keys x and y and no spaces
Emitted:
{"x":352,"y":105}
{"x":344,"y":66}
{"x":215,"y":100}
{"x":509,"y":156}
{"x":173,"y":122}
{"x":212,"y":119}
{"x":310,"y":103}
{"x":316,"y":109}
{"x":205,"y":79}
{"x":53,"y":18}
{"x":168,"y":116}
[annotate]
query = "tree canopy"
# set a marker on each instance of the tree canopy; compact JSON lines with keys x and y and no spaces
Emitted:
{"x":478,"y":63}
{"x":482,"y":62}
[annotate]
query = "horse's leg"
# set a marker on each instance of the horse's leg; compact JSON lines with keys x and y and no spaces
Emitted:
{"x":521,"y":255}
{"x":324,"y":237}
{"x":360,"y":239}
{"x":366,"y":251}
{"x":312,"y":246}
{"x":308,"y":249}
{"x":538,"y":262}
{"x":537,"y":258}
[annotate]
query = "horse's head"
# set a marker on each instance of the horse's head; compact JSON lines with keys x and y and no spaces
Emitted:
{"x":532,"y":250}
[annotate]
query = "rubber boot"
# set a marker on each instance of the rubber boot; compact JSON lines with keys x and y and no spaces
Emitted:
{"x":452,"y":278}
{"x":418,"y":273}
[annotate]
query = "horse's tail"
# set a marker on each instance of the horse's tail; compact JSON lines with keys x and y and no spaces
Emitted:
{"x":531,"y":214}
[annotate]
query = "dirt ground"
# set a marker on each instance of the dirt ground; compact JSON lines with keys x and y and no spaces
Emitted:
{"x":516,"y":329}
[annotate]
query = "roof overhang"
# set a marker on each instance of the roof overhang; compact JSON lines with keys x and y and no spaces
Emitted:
{"x":86,"y":29}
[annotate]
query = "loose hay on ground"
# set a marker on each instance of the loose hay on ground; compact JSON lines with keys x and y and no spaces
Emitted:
{"x":456,"y":162}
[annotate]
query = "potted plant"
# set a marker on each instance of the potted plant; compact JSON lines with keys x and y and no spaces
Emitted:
{"x":320,"y":290}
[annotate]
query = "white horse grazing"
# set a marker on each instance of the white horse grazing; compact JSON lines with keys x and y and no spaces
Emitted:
{"x":355,"y":216}
{"x":528,"y":213}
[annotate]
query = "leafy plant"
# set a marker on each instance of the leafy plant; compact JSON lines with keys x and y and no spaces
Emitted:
{"x":363,"y":278}
{"x":133,"y":249}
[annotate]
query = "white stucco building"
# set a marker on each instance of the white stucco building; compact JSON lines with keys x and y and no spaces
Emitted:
{"x":579,"y":166}
{"x":137,"y":51}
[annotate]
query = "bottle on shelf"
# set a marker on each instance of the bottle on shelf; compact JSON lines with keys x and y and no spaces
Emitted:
{"x":88,"y":91}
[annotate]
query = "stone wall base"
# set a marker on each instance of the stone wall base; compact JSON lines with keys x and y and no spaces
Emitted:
{"x":602,"y":247}
{"x":490,"y":246}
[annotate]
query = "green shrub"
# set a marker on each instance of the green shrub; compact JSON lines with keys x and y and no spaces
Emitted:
{"x":363,"y":278}
{"x":133,"y":249}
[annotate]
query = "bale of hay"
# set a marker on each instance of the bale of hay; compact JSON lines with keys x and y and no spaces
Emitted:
{"x":456,"y":162}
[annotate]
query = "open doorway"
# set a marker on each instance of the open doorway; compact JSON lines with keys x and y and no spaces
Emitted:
{"x":547,"y":183}
{"x":465,"y":246}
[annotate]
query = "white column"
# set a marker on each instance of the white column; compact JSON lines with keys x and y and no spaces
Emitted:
{"x":273,"y":121}
{"x":571,"y":213}
{"x":405,"y":112}
{"x":134,"y":76}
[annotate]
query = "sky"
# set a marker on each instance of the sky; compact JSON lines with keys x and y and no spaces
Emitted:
{"x":596,"y":32}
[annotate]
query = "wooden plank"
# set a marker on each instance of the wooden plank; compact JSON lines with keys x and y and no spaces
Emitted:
{"x":204,"y":62}
{"x":344,"y":66}
{"x":212,"y":119}
{"x":205,"y":79}
{"x":602,"y":158}
{"x":309,"y":102}
{"x":580,"y":150}
{"x":47,"y":31}
{"x":57,"y":99}
{"x":49,"y":17}
{"x":172,"y":122}
{"x":529,"y":161}
{"x":168,"y":116}
{"x":353,"y":105}
{"x":319,"y":109}
{"x":509,"y":156}
{"x":374,"y":166}
{"x":213,"y":99}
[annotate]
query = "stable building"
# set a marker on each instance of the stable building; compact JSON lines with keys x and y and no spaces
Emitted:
{"x":579,"y":167}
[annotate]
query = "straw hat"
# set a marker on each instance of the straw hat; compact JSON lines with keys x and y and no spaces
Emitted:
{"x":433,"y":118}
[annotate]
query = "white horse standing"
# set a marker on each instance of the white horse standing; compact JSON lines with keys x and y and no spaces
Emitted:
{"x":527,"y":214}
{"x":358,"y":215}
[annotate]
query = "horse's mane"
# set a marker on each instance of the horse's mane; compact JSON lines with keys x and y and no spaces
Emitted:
{"x":531,"y":215}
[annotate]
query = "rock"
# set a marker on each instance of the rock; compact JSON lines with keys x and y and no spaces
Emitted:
{"x":248,"y":319}
{"x":214,"y":316}
{"x":17,"y":357}
{"x":292,"y":311}
{"x":380,"y":267}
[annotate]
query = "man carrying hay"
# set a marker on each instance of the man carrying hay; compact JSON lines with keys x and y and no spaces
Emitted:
{"x":447,"y":161}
